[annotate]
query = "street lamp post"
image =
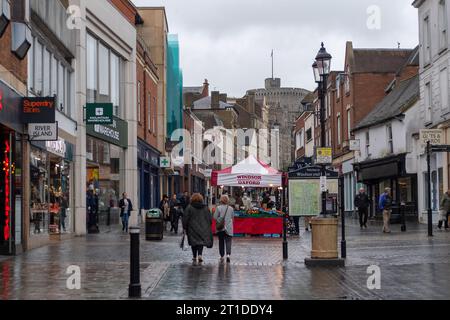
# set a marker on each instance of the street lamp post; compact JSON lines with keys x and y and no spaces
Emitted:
{"x":321,"y":68}
{"x":325,"y":229}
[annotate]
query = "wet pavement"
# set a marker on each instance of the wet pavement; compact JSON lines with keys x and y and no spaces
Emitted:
{"x":412,"y":266}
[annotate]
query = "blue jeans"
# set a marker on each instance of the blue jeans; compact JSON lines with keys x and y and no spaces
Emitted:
{"x":125,"y":218}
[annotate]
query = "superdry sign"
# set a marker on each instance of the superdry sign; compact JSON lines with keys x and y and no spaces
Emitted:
{"x":38,"y":110}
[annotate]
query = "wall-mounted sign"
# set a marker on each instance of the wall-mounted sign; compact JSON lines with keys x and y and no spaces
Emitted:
{"x":43,"y":131}
{"x":38,"y":110}
{"x":435,"y":136}
{"x":115,"y":133}
{"x":355,"y":145}
{"x":57,"y":147}
{"x":324,"y":156}
{"x":207,"y":173}
{"x":99,"y":113}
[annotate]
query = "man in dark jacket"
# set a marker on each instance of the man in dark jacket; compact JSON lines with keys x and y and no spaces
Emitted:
{"x":362,"y":202}
{"x":125,"y":210}
{"x":185,"y":200}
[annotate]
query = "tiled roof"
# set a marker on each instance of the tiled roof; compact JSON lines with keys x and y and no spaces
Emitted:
{"x":394,"y":104}
{"x":198,"y":90}
{"x":205,"y":103}
{"x":379,"y":60}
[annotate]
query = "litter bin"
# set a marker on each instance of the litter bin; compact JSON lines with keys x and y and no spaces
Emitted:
{"x":154,"y":225}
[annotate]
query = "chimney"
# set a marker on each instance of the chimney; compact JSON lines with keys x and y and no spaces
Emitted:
{"x":223,"y":97}
{"x":189,"y":100}
{"x":215,"y":101}
{"x":205,"y":92}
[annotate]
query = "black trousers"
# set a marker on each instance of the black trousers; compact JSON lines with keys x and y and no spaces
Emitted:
{"x":174,"y":222}
{"x":224,"y":240}
{"x":197,"y":251}
{"x":363,"y":214}
{"x":297,"y":224}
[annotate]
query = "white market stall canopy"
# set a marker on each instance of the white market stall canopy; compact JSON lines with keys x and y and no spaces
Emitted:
{"x":248,"y":173}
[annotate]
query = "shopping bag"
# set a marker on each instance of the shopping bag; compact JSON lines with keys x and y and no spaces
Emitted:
{"x":184,"y":243}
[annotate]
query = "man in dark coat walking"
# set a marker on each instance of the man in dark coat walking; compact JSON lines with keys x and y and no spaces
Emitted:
{"x":197,"y":221}
{"x":362,"y":202}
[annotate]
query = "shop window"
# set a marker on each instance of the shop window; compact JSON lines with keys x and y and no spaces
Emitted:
{"x":104,"y":74}
{"x":49,"y":76}
{"x":50,"y":182}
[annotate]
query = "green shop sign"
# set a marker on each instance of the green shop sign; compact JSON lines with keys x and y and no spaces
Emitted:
{"x":99,"y":113}
{"x":115,"y":133}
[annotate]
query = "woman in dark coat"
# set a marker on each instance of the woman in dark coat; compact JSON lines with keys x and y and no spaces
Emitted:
{"x":197,"y":222}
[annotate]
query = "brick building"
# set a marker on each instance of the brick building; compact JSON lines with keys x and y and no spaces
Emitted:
{"x":147,"y":127}
{"x":352,"y":95}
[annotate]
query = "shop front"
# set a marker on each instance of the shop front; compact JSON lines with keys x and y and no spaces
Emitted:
{"x":11,"y":178}
{"x":390,"y":172}
{"x":105,"y":161}
{"x":51,"y":188}
{"x":148,"y":175}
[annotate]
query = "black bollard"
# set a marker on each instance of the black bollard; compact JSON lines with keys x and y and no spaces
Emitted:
{"x":285,"y":243}
{"x":134,"y":289}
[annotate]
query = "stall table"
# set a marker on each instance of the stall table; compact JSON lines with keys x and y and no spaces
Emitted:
{"x":255,"y":226}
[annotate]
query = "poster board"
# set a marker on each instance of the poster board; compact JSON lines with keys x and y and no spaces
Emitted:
{"x":305,"y":196}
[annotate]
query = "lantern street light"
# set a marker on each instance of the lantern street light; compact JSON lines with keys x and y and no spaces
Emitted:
{"x":321,"y":68}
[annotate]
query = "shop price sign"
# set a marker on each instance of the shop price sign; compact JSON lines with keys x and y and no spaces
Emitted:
{"x":324,"y":156}
{"x":43,"y":131}
{"x":434,"y":136}
{"x":99,"y":113}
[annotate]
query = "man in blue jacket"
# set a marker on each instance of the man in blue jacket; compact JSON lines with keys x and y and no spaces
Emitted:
{"x":385,"y":204}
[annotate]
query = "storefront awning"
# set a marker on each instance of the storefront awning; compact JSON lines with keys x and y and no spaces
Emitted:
{"x":383,"y":168}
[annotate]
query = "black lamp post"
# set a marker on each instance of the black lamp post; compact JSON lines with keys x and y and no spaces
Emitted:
{"x":321,"y":68}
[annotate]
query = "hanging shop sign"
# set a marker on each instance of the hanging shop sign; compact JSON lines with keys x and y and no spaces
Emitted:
{"x":38,"y":110}
{"x":115,"y":133}
{"x":355,"y":145}
{"x":43,"y":131}
{"x":164,"y":162}
{"x":99,"y":113}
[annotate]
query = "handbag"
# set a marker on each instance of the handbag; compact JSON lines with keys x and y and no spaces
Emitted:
{"x":183,"y":243}
{"x":221,"y":224}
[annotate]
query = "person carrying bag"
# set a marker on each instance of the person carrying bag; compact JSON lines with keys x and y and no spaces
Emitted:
{"x":224,"y":217}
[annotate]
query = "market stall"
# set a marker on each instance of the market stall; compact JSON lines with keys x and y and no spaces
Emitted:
{"x":252,"y":173}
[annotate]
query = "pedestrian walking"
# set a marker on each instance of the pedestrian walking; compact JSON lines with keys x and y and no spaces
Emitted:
{"x":308,"y":223}
{"x":385,"y":204}
{"x":197,"y":222}
{"x":126,"y":207}
{"x":362,"y":202}
{"x":174,"y":206}
{"x":224,"y":217}
{"x":444,"y":211}
{"x":165,"y":209}
{"x":185,"y":200}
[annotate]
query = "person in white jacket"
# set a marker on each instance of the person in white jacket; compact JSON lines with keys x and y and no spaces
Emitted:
{"x":224,"y":215}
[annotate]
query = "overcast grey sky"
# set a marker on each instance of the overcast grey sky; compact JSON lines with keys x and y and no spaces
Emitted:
{"x":229,"y":42}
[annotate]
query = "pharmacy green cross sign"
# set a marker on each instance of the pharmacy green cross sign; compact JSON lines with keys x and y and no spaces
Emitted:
{"x":99,"y":113}
{"x":164,"y":162}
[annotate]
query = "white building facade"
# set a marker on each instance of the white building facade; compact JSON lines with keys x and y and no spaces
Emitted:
{"x":434,"y":108}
